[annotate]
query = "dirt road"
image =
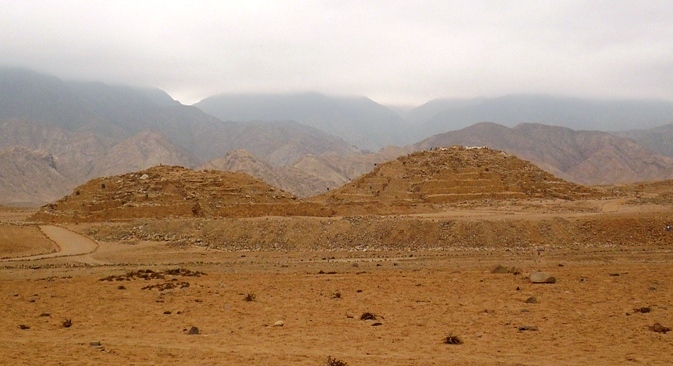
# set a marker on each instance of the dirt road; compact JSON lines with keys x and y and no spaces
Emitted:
{"x":70,"y":244}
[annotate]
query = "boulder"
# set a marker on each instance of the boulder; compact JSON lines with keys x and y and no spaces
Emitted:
{"x":541,"y":277}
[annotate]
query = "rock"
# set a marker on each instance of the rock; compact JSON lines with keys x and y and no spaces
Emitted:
{"x":531,"y":300}
{"x":367,"y":316}
{"x":500,"y":269}
{"x":96,"y":344}
{"x":660,"y":328}
{"x":194,"y":330}
{"x":528,"y":327}
{"x":541,"y":277}
{"x":279,"y":323}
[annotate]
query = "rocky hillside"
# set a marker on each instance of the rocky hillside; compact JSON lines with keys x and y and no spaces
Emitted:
{"x":658,"y":139}
{"x":358,"y":120}
{"x":440,"y":116}
{"x":27,"y":176}
{"x":288,"y":178}
{"x":92,"y":129}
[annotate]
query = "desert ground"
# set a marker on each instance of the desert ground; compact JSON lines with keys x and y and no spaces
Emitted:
{"x":129,"y":300}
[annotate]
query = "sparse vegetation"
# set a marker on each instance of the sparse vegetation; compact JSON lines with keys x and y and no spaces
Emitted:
{"x":335,"y":362}
{"x":453,"y":339}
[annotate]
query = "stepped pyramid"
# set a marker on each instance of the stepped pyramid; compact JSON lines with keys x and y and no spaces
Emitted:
{"x":455,"y":174}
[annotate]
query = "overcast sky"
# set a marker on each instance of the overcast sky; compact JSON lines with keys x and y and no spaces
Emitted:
{"x":395,"y":52}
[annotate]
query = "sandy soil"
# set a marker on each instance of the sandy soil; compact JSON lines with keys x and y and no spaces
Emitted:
{"x":23,"y":240}
{"x":599,"y":312}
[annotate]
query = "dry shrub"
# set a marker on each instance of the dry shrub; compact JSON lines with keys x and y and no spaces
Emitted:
{"x":335,"y":362}
{"x":453,"y":339}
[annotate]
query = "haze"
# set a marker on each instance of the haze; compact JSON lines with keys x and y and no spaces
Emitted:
{"x":402,"y":53}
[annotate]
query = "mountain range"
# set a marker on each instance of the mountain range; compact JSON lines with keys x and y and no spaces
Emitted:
{"x":57,"y":134}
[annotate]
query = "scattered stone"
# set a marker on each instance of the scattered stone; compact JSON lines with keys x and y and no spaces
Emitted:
{"x":541,"y":277}
{"x":23,"y":326}
{"x":67,"y":323}
{"x":368,"y":316}
{"x":614,"y":274}
{"x":279,"y":323}
{"x":167,"y":312}
{"x":148,"y":274}
{"x":167,"y":285}
{"x":45,"y":315}
{"x":531,"y":300}
{"x":528,"y":327}
{"x":660,"y":328}
{"x":96,"y":344}
{"x":194,"y":330}
{"x":377,"y":324}
{"x":500,"y":269}
{"x":643,"y":310}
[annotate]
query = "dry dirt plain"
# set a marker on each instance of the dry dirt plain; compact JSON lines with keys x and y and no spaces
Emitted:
{"x":601,"y":310}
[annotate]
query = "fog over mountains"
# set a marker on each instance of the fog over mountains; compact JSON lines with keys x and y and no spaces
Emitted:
{"x":56,"y":134}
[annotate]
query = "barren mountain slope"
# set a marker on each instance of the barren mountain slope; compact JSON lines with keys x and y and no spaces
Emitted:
{"x":288,"y":178}
{"x":142,"y":151}
{"x":659,"y":139}
{"x":440,"y":116}
{"x":283,"y":143}
{"x":358,"y":120}
{"x":29,"y":178}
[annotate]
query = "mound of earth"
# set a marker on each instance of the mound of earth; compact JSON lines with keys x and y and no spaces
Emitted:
{"x":165,"y":191}
{"x":417,"y":183}
{"x":449,"y":175}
